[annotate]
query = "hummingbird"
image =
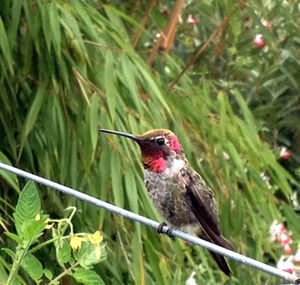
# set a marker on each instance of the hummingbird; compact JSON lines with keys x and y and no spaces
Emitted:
{"x":178,"y":192}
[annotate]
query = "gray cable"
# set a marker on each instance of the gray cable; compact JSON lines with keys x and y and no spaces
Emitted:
{"x":176,"y":233}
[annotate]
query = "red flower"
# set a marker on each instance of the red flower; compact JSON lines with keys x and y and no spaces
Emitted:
{"x":285,"y":239}
{"x":266,"y":23}
{"x":259,"y":40}
{"x":287,"y":249}
{"x":286,"y":264}
{"x":284,"y":153}
{"x":191,"y":20}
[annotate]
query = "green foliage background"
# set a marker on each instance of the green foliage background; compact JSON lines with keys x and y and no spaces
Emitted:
{"x":68,"y":68}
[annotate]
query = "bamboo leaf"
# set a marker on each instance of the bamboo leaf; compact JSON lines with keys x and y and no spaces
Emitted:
{"x":110,"y":84}
{"x":4,"y":44}
{"x":33,"y":113}
{"x":116,"y":180}
{"x":94,"y":120}
{"x":8,"y":176}
{"x":54,"y":22}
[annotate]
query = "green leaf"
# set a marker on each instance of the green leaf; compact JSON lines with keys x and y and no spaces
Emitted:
{"x":110,"y":87}
{"x":48,"y":273}
{"x":33,"y":229}
{"x":130,"y":83}
{"x":3,"y":274}
{"x":62,"y":248}
{"x":86,"y":255}
{"x":131,"y":190}
{"x":11,"y":178}
{"x":9,"y":252}
{"x":14,"y":237}
{"x":55,"y":27}
{"x":32,"y":266}
{"x":292,"y":218}
{"x":94,"y":120}
{"x":4,"y":45}
{"x":116,"y":180}
{"x":33,"y":112}
{"x":87,"y":277}
{"x":28,"y":206}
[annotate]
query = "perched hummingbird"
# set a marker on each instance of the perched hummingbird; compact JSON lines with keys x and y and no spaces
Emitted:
{"x":177,"y":190}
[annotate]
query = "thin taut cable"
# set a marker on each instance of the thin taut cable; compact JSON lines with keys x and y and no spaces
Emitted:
{"x":109,"y":207}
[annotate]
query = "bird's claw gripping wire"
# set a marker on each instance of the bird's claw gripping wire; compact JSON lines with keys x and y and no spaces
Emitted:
{"x":168,"y":232}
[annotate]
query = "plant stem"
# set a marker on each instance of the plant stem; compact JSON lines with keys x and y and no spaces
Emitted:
{"x":20,"y":253}
{"x":64,"y":273}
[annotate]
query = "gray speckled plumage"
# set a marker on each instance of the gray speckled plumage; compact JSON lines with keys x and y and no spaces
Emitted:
{"x":186,"y":202}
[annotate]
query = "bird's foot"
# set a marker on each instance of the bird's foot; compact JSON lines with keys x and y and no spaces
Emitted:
{"x":167,"y":232}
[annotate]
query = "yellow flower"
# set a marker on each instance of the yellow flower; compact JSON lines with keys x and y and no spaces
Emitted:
{"x":97,"y":251}
{"x":37,"y":217}
{"x":95,"y":238}
{"x":48,"y":224}
{"x":75,"y":242}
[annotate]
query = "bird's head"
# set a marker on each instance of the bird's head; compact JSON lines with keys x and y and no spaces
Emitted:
{"x":156,"y":145}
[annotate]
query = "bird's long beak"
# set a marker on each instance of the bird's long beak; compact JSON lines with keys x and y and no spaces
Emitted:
{"x":133,"y":137}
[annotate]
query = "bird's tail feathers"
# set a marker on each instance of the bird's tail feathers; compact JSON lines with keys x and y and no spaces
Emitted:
{"x":222,"y":263}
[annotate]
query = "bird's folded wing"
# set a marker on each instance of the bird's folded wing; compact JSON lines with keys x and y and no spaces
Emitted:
{"x":203,"y":207}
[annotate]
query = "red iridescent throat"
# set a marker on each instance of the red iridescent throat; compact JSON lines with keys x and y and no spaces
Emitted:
{"x":174,"y":143}
{"x":154,"y":159}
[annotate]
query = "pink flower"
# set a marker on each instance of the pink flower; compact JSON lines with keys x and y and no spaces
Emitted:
{"x":285,"y":239}
{"x":266,"y":23}
{"x":259,"y":40}
{"x":284,"y":153}
{"x":287,"y":249}
{"x":277,"y":231}
{"x":191,"y":20}
{"x":286,"y":264}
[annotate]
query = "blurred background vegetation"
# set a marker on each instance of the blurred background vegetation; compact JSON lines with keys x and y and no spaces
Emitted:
{"x":70,"y":67}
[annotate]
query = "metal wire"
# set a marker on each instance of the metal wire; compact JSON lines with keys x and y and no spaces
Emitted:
{"x":176,"y":233}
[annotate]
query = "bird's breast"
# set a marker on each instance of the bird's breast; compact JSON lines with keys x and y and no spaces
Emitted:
{"x":168,"y":192}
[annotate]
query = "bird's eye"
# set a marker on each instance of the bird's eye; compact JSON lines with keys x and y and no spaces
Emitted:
{"x":160,"y":141}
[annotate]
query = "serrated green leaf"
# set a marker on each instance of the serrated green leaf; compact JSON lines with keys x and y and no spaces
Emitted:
{"x":28,"y":206}
{"x":87,"y":277}
{"x":33,"y":229}
{"x":86,"y":255}
{"x":63,"y":251}
{"x":32,"y":266}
